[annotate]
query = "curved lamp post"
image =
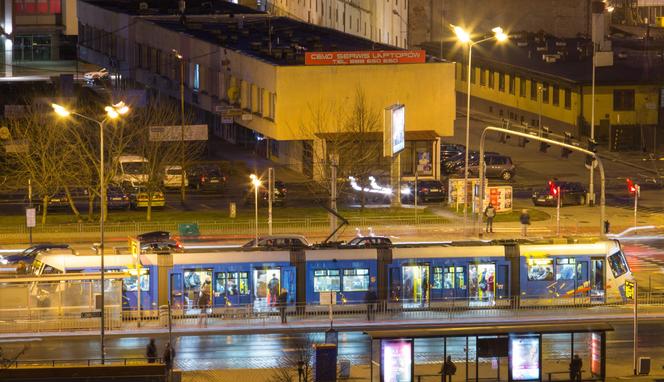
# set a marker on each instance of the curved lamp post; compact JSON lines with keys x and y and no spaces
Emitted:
{"x":112,"y":112}
{"x":465,"y":38}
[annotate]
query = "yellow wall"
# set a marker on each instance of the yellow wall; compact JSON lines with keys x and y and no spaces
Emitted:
{"x":645,"y":103}
{"x":427,"y":90}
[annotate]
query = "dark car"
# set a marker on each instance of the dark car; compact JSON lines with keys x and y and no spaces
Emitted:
{"x":159,"y":242}
{"x":278,"y":198}
{"x":456,"y":164}
{"x":117,"y":198}
{"x":58,"y":201}
{"x":369,"y":242}
{"x":206,"y":177}
{"x":427,"y":191}
{"x":450,"y":150}
{"x":572,"y":193}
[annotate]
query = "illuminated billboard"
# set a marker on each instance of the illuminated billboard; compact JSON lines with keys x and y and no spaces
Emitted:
{"x":525,"y":358}
{"x":396,"y":360}
{"x":394,"y":133}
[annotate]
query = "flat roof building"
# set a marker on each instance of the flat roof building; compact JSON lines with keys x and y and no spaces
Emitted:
{"x":257,"y":79}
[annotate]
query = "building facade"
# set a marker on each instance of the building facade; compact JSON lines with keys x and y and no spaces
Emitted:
{"x":252,"y":86}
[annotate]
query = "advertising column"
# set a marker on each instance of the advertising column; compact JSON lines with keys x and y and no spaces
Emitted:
{"x":396,"y":364}
{"x":394,"y":141}
{"x":525,"y":358}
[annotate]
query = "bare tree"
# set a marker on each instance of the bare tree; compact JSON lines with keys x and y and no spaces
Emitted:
{"x":296,"y":366}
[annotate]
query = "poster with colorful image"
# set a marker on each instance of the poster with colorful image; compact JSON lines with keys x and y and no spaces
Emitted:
{"x":397,"y":360}
{"x":525,"y":358}
{"x":596,"y":354}
{"x":424,"y":166}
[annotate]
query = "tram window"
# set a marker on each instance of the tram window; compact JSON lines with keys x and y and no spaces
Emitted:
{"x":232,"y":283}
{"x":460,"y":278}
{"x":356,"y":280}
{"x":243,"y":283}
{"x":327,"y":280}
{"x":565,"y":268}
{"x":437,"y":278}
{"x":129,"y":284}
{"x":220,"y":282}
{"x":540,"y":269}
{"x":449,"y":278}
{"x":617,"y":264}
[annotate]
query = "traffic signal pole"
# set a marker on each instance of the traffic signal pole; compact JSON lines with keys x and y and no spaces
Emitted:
{"x":538,"y":138}
{"x":558,"y":211}
{"x":636,"y":202}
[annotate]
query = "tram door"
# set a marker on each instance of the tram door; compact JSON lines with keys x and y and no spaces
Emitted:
{"x":482,"y":283}
{"x":415,"y":285}
{"x":193,"y":281}
{"x":597,"y":282}
{"x":177,"y":301}
{"x":267,"y":284}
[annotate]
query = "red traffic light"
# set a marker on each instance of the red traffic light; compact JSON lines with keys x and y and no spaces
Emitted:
{"x":631,"y":187}
{"x":553,"y":189}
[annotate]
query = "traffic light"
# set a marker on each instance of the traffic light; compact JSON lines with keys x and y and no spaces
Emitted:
{"x":553,"y":188}
{"x":564,"y":151}
{"x":631,"y":187}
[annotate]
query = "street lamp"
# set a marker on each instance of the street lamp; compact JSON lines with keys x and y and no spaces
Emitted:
{"x":112,"y":113}
{"x":256,"y":182}
{"x":182,"y":187}
{"x":465,"y":38}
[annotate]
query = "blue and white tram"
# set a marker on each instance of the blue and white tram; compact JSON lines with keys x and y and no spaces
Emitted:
{"x":476,"y":274}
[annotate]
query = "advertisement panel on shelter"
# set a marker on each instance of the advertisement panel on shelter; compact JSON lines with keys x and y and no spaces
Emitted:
{"x":397,"y":360}
{"x":596,"y":354}
{"x":525,"y":358}
{"x":394,"y":130}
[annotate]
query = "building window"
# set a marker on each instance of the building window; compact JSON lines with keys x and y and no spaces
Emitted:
{"x":261,"y":91}
{"x":568,"y":99}
{"x":511,"y":84}
{"x":522,"y":87}
{"x":533,"y":90}
{"x":464,"y":72}
{"x":501,"y":81}
{"x":623,"y":100}
{"x":492,"y":80}
{"x":556,"y":95}
{"x":482,"y":78}
{"x":273,"y":106}
{"x":32,"y":7}
{"x":545,"y":92}
{"x":197,"y":77}
{"x":473,"y":75}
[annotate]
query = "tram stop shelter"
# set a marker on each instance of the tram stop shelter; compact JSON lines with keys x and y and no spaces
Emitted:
{"x":510,"y":352}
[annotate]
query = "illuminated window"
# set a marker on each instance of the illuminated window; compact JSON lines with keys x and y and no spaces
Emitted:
{"x":565,"y":268}
{"x":327,"y":280}
{"x":356,"y":280}
{"x":540,"y":269}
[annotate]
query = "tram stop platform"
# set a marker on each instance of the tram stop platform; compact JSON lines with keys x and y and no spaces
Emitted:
{"x":518,"y":352}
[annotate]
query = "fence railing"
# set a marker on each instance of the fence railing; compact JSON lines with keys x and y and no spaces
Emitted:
{"x":255,"y":316}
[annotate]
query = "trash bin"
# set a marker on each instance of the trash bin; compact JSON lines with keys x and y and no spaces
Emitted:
{"x":344,"y":369}
{"x":163,"y":316}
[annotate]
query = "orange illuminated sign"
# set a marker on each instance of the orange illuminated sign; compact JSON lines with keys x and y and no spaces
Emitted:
{"x":366,"y":57}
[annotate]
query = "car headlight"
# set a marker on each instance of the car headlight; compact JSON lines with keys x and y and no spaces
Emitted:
{"x":3,"y":261}
{"x":405,"y":191}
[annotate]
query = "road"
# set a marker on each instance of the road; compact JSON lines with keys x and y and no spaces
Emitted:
{"x":268,"y":351}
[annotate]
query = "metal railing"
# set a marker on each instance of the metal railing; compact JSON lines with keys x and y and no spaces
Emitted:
{"x":82,"y":362}
{"x":357,"y":312}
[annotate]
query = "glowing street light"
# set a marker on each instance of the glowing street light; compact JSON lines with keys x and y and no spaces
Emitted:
{"x":112,"y":112}
{"x":464,"y":37}
{"x":256,"y":182}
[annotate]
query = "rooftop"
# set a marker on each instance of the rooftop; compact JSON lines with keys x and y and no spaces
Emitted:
{"x":170,"y":7}
{"x":568,"y":59}
{"x":252,"y":34}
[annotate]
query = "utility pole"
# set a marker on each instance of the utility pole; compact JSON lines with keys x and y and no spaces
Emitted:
{"x":636,"y":202}
{"x":182,"y":176}
{"x":334,"y":163}
{"x":636,"y":326}
{"x":558,"y":212}
{"x":270,"y":191}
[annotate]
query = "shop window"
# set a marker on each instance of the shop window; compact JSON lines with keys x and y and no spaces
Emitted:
{"x":197,"y":77}
{"x":540,"y":269}
{"x":565,"y":268}
{"x":327,"y":280}
{"x":356,"y":280}
{"x":556,"y":95}
{"x":623,"y":100}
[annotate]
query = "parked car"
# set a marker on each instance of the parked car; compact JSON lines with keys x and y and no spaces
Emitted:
{"x":572,"y":193}
{"x":58,"y":201}
{"x":117,"y":198}
{"x":427,"y":191}
{"x":496,"y":166}
{"x":96,"y":75}
{"x":173,"y":177}
{"x":278,"y":198}
{"x":279,"y":242}
{"x":369,"y":242}
{"x":138,"y":198}
{"x":206,"y":177}
{"x":456,"y":164}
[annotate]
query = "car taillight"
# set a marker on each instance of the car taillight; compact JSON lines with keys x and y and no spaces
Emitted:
{"x":425,"y":190}
{"x":203,"y":179}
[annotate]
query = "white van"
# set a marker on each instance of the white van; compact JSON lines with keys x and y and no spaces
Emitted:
{"x":132,"y":170}
{"x":173,"y":177}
